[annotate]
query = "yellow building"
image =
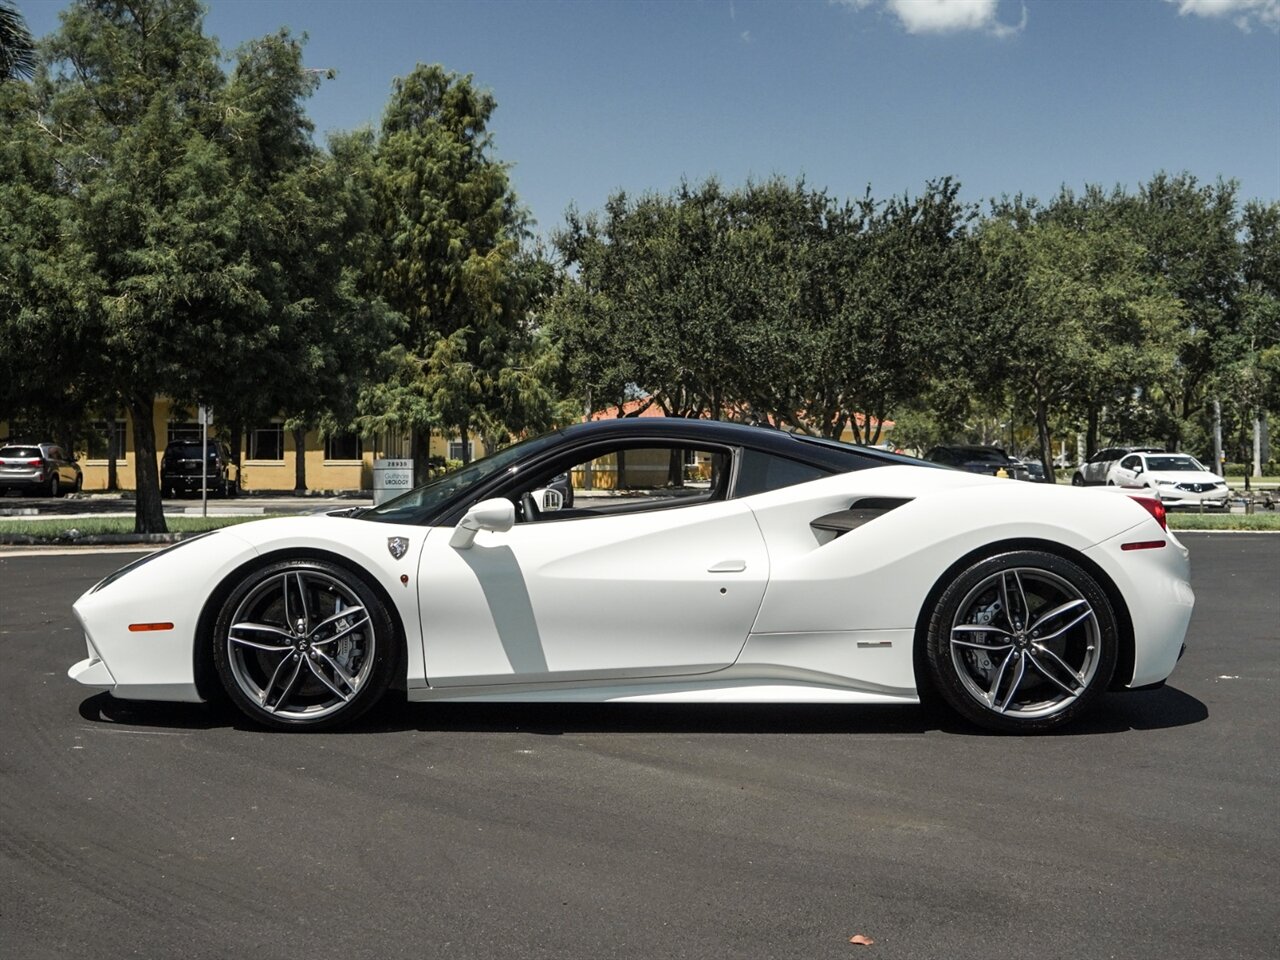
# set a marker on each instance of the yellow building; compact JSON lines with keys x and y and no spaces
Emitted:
{"x":268,"y":455}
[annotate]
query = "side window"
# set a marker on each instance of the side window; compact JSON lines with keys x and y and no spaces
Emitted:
{"x":1129,"y":463}
{"x":628,"y":479}
{"x":761,"y":472}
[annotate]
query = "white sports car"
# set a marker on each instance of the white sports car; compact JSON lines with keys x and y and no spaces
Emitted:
{"x":699,"y":561}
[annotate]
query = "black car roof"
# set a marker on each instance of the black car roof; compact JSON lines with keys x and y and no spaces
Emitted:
{"x":768,"y":439}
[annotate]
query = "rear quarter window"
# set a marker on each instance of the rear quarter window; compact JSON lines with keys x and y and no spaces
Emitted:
{"x":761,"y":472}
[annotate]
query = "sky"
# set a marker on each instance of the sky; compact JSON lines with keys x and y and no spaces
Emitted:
{"x":1006,"y":96}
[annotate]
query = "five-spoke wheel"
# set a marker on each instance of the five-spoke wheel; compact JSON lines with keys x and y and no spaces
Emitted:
{"x":304,"y":643}
{"x":1022,"y":641}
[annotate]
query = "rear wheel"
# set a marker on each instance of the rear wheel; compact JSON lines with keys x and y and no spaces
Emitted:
{"x":1022,"y":642}
{"x":1077,"y":480}
{"x":55,"y":486}
{"x":304,"y":644}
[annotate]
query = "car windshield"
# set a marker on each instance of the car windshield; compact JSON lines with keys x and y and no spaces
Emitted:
{"x":1175,"y":463}
{"x":20,"y":453}
{"x":425,"y":500}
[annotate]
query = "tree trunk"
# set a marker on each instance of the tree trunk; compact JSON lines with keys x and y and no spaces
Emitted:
{"x":237,"y":441}
{"x":148,"y":511}
{"x":113,"y":472}
{"x":464,"y":433}
{"x":300,"y":459}
{"x":420,"y":451}
{"x":1091,"y":431}
{"x":1257,"y":445}
{"x":1046,"y":443}
{"x":675,"y":468}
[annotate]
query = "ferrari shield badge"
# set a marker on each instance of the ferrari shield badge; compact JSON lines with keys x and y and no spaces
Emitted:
{"x":398,"y":546}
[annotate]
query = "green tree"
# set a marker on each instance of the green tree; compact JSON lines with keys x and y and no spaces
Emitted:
{"x":212,"y":234}
{"x":17,"y":50}
{"x":305,"y":214}
{"x":1250,"y":371}
{"x":45,"y":280}
{"x":1191,"y":234}
{"x":907,"y":306}
{"x":450,"y":258}
{"x":1076,"y":309}
{"x":685,"y":298}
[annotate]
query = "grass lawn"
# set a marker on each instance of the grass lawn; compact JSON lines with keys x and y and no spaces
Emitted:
{"x":57,"y":529}
{"x":1262,"y":520}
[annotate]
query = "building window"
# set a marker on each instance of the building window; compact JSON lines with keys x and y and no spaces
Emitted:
{"x":104,"y":439}
{"x":343,"y":446}
{"x":267,"y":443}
{"x":455,"y":450}
{"x":187,"y":431}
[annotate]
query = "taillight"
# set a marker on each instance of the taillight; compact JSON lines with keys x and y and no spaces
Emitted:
{"x":1154,"y":507}
{"x":35,"y":463}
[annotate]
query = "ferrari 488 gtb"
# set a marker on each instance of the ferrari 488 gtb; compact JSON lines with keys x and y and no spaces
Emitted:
{"x":662,"y":560}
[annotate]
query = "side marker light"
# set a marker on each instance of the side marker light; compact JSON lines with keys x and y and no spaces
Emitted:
{"x":1143,"y":545}
{"x":145,"y":627}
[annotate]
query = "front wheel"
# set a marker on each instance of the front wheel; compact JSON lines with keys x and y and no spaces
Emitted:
{"x":1077,"y":480}
{"x":1022,"y":642}
{"x":304,"y":644}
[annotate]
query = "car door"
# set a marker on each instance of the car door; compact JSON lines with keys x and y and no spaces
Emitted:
{"x":660,"y":589}
{"x":1127,"y":470}
{"x":1096,"y":469}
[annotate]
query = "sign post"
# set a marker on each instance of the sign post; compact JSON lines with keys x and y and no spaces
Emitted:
{"x":205,"y":414}
{"x":391,"y":478}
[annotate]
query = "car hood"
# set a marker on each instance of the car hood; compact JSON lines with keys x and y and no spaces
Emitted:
{"x":1183,"y":476}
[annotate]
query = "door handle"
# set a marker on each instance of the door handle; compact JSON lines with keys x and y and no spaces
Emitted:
{"x":728,"y":566}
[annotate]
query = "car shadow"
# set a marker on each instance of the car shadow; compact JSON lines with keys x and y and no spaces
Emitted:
{"x":1160,"y":709}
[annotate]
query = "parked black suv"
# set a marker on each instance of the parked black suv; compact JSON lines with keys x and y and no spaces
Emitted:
{"x":180,"y":469}
{"x":976,"y":459}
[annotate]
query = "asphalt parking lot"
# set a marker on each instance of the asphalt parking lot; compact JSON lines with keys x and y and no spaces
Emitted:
{"x":1152,"y":829}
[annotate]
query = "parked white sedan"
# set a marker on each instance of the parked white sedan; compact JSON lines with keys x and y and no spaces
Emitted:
{"x":1179,"y":479}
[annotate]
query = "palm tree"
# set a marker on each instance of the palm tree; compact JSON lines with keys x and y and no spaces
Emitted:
{"x":17,"y":51}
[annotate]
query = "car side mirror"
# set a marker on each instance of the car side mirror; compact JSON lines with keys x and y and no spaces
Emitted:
{"x":548,"y":499}
{"x":1137,"y":470}
{"x":497,"y":514}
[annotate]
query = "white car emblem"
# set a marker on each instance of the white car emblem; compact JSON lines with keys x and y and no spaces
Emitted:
{"x":398,"y":546}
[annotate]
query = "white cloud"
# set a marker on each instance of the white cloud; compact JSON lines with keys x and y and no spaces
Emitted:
{"x":946,"y":16}
{"x":1243,"y":13}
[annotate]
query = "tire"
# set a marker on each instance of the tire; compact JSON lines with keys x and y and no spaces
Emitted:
{"x":1077,"y":479}
{"x":79,"y":482}
{"x":55,"y":487}
{"x":308,"y":669}
{"x":1010,"y":677}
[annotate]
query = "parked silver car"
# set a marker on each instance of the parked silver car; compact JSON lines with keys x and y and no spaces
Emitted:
{"x":38,"y":469}
{"x":1093,"y":472}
